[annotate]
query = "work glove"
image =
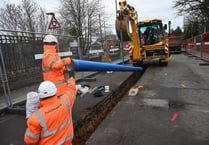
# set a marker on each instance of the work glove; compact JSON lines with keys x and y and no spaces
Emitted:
{"x":32,"y":103}
{"x":67,"y":61}
{"x":70,"y":70}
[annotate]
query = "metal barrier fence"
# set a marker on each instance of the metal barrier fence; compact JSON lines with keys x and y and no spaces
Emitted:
{"x":20,"y":71}
{"x":197,"y":46}
{"x":205,"y":46}
{"x":192,"y":46}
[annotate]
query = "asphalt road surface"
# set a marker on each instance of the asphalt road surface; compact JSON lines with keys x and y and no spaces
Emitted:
{"x":172,"y":108}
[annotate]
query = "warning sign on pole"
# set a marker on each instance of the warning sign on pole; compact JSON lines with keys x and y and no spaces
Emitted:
{"x":54,"y":23}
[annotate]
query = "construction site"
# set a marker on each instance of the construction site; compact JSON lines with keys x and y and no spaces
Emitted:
{"x":137,"y":94}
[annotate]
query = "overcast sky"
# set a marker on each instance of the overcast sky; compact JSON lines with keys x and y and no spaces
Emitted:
{"x":147,"y":9}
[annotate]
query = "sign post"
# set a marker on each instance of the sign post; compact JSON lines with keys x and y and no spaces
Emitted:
{"x":54,"y":23}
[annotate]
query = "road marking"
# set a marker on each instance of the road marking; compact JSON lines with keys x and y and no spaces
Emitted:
{"x":140,"y":87}
{"x":174,"y":116}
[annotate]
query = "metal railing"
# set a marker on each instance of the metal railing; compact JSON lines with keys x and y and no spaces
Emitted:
{"x":19,"y":70}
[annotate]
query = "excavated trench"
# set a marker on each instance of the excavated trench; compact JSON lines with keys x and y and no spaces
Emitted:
{"x":84,"y":127}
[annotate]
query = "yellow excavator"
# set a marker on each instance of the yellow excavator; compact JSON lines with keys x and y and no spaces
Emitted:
{"x":146,"y":37}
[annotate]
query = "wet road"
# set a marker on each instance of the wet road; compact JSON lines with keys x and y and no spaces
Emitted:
{"x":172,"y":108}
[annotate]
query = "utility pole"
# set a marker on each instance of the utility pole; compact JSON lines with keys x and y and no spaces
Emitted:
{"x":205,"y":25}
{"x":105,"y":39}
{"x":169,"y":28}
{"x":116,"y":8}
{"x":100,"y":28}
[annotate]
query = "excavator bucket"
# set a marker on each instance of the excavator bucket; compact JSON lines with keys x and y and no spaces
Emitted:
{"x":122,"y":24}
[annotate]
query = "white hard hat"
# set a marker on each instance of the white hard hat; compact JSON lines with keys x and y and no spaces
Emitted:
{"x":47,"y":89}
{"x":50,"y":39}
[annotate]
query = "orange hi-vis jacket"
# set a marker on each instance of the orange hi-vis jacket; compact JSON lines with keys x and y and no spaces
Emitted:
{"x":53,"y":68}
{"x":52,"y":124}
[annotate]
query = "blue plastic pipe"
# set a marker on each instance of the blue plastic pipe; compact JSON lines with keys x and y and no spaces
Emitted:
{"x":83,"y":65}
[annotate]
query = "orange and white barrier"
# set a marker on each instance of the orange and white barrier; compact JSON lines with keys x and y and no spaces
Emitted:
{"x":166,"y":48}
{"x":130,"y":50}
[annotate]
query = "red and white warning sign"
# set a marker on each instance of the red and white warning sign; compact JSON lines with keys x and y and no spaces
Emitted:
{"x":54,"y":23}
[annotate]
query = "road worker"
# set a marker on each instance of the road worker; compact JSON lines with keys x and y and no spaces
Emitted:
{"x":146,"y":34}
{"x":53,"y":66}
{"x":52,"y":123}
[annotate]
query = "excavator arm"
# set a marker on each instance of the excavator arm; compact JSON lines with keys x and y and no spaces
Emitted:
{"x":126,"y":15}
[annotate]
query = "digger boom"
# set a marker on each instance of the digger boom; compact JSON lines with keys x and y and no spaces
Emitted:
{"x":125,"y":15}
{"x":150,"y":46}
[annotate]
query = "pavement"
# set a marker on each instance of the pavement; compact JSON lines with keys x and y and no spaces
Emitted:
{"x":172,"y":108}
{"x":19,"y":95}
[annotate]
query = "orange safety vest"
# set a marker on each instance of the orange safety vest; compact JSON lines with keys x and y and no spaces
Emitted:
{"x":53,"y":68}
{"x":52,"y":123}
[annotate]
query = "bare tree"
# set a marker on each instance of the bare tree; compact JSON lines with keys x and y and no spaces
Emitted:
{"x":196,"y":8}
{"x":195,"y":11}
{"x":9,"y":17}
{"x":29,"y":11}
{"x":187,"y":6}
{"x":191,"y":27}
{"x":42,"y":23}
{"x":82,"y":16}
{"x":27,"y":16}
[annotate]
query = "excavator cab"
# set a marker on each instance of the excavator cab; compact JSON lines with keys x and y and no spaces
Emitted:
{"x":151,"y":31}
{"x":155,"y":45}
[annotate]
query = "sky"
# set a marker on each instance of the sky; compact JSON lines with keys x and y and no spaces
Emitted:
{"x":146,"y":9}
{"x":150,"y":9}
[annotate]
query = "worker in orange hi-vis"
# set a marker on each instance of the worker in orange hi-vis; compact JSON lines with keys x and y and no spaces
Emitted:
{"x":53,"y":66}
{"x":52,"y":123}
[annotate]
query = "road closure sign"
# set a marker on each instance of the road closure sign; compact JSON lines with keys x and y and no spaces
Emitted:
{"x":54,"y":24}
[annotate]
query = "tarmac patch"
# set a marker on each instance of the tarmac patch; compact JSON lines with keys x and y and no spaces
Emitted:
{"x":156,"y":103}
{"x":175,"y":104}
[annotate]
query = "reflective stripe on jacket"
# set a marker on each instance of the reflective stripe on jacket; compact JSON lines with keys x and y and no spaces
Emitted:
{"x":53,"y":68}
{"x":52,"y":124}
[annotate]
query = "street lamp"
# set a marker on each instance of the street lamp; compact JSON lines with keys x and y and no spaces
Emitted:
{"x":169,"y":28}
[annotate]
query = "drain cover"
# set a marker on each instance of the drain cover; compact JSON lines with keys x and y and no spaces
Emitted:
{"x":156,"y":102}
